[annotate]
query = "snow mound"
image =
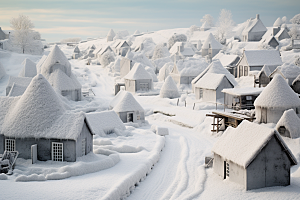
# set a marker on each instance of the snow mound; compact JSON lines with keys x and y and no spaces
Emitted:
{"x":3,"y":177}
{"x":291,"y":122}
{"x":29,"y":69}
{"x":2,"y":71}
{"x":102,"y":123}
{"x":277,"y":94}
{"x":128,"y":103}
{"x":169,"y":89}
{"x":61,"y":81}
{"x":278,"y":22}
{"x":242,"y":144}
{"x":111,"y":33}
{"x":138,"y":72}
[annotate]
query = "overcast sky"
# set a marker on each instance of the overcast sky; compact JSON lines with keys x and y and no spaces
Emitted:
{"x":60,"y":19}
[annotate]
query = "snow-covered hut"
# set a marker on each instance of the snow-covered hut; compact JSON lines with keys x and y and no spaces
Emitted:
{"x":277,"y":97}
{"x":205,"y":26}
{"x":40,"y":117}
{"x":103,"y":123}
{"x":2,"y":71}
{"x":263,"y":75}
{"x":181,"y":51}
{"x":138,"y":79}
{"x":241,"y":153}
{"x":288,"y":71}
{"x":76,"y":53}
{"x":215,"y":67}
{"x":289,"y":124}
{"x":254,"y":30}
{"x":125,"y":66}
{"x":22,"y":81}
{"x":211,"y":46}
{"x":121,"y":47}
{"x":209,"y":87}
{"x":241,"y":98}
{"x":128,"y":109}
{"x":57,"y":70}
{"x":100,"y":51}
{"x":169,"y":89}
{"x":110,"y":36}
{"x":254,"y":60}
{"x":29,"y":69}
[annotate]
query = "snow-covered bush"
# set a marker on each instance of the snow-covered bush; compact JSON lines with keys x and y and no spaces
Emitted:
{"x":294,"y":32}
{"x":176,"y":38}
{"x":160,"y":51}
{"x":295,"y":19}
{"x":208,"y":19}
{"x":106,"y":58}
{"x":169,"y":89}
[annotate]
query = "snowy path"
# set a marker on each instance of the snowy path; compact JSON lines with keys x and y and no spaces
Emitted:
{"x":177,"y":175}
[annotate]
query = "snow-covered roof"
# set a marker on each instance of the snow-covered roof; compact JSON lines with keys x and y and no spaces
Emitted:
{"x":226,"y":60}
{"x":205,"y":25}
{"x":241,"y":145}
{"x":243,"y":91}
{"x":216,"y":68}
{"x":24,"y":81}
{"x":254,"y":25}
{"x":6,"y":103}
{"x":104,"y":49}
{"x":102,"y":123}
{"x":16,"y":90}
{"x":2,"y":71}
{"x":291,"y":122}
{"x":61,"y":81}
{"x":138,"y":72}
{"x":29,"y":69}
{"x":210,"y":81}
{"x":97,"y":50}
{"x":40,"y":113}
{"x":117,"y":98}
{"x":268,"y":36}
{"x":212,"y":43}
{"x":267,"y":70}
{"x":111,"y":33}
{"x":277,"y":94}
{"x":123,"y":42}
{"x":278,"y":22}
{"x":56,"y":56}
{"x":287,"y":70}
{"x":263,"y":57}
{"x":281,"y":32}
{"x":169,"y":89}
{"x":128,"y":103}
{"x":40,"y":63}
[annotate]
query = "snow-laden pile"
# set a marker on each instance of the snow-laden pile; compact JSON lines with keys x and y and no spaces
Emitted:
{"x":127,"y":103}
{"x":169,"y":89}
{"x":277,"y":94}
{"x":289,"y":70}
{"x":2,"y":71}
{"x":242,"y":144}
{"x":29,"y":69}
{"x":291,"y":122}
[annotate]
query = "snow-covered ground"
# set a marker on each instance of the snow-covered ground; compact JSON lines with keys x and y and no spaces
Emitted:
{"x":139,"y":164}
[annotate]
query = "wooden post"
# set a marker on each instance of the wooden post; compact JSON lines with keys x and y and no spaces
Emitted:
{"x":177,"y":101}
{"x":185,"y":103}
{"x":194,"y":106}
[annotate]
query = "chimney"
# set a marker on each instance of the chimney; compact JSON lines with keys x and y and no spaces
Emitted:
{"x":257,"y":16}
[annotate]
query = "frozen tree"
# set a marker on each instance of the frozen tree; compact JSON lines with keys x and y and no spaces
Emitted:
{"x":284,"y":20}
{"x":160,"y":51}
{"x":176,"y":38}
{"x":193,"y":28}
{"x":295,"y":19}
{"x":208,"y":19}
{"x":294,"y":32}
{"x":225,"y":25}
{"x":22,"y":35}
{"x":106,"y":59}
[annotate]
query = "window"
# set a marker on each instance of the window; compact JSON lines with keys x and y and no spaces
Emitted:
{"x":83,"y":147}
{"x":227,"y":169}
{"x":144,"y":86}
{"x":10,"y":145}
{"x":138,"y":117}
{"x":57,"y":151}
{"x":200,"y":93}
{"x":248,"y":98}
{"x":240,"y":70}
{"x":245,"y":70}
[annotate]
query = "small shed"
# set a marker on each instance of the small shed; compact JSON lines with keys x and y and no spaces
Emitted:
{"x":169,"y":89}
{"x":40,"y":117}
{"x":99,"y":52}
{"x":205,"y":26}
{"x":254,"y":60}
{"x":211,"y":46}
{"x":209,"y":87}
{"x":241,"y":98}
{"x":121,"y":47}
{"x":21,"y":81}
{"x":254,"y":30}
{"x":253,"y":156}
{"x":289,"y":124}
{"x":129,"y":110}
{"x":138,"y":79}
{"x":263,"y":75}
{"x":29,"y":69}
{"x":277,"y":97}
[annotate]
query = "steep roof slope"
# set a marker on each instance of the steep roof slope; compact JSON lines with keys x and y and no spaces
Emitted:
{"x":169,"y":89}
{"x":138,"y":72}
{"x":117,"y":98}
{"x":254,"y":25}
{"x":214,"y":44}
{"x":291,"y":122}
{"x":211,"y":81}
{"x":128,"y":103}
{"x":277,"y":94}
{"x":29,"y":69}
{"x":242,"y":144}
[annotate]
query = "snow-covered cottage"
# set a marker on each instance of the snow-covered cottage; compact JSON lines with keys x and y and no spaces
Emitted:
{"x":254,"y":156}
{"x":29,"y":69}
{"x":254,"y":30}
{"x":254,"y":60}
{"x":121,"y":47}
{"x":125,"y":66}
{"x":101,"y":50}
{"x":57,"y":70}
{"x":76,"y":53}
{"x":21,"y":81}
{"x":205,"y":26}
{"x":241,"y":98}
{"x":211,"y":46}
{"x":128,"y":109}
{"x":289,"y":124}
{"x":138,"y":79}
{"x":277,"y":97}
{"x":110,"y":36}
{"x":169,"y":89}
{"x":40,"y":117}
